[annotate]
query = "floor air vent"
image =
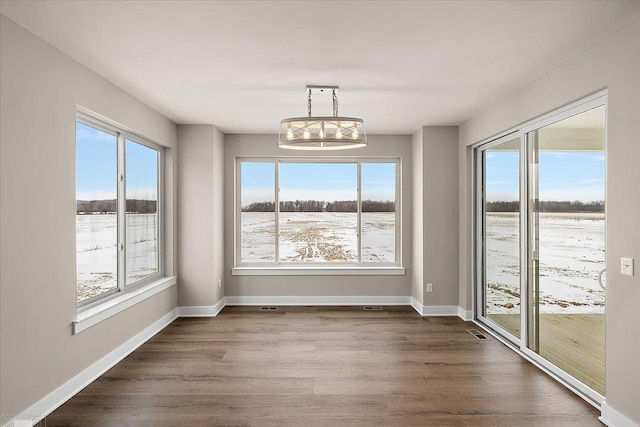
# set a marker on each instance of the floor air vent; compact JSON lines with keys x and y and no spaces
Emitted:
{"x":268,"y":308}
{"x":372,"y":307}
{"x":479,"y":335}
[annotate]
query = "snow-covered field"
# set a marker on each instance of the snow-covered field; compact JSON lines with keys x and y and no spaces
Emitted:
{"x":318,"y":237}
{"x":96,"y":251}
{"x":572,"y":253}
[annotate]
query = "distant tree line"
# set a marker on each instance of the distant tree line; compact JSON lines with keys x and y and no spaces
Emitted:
{"x":109,"y":206}
{"x":318,"y":206}
{"x":378,"y":206}
{"x":260,"y":207}
{"x":548,"y":206}
{"x":302,"y":206}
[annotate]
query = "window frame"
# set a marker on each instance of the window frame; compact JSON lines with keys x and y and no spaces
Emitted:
{"x":295,"y":266}
{"x":122,"y":137}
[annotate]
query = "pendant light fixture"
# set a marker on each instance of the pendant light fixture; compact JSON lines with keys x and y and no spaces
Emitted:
{"x":322,"y":132}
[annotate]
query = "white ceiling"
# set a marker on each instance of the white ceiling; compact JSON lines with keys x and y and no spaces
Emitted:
{"x":243,"y":66}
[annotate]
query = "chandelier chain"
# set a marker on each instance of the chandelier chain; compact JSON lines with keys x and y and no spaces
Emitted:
{"x":309,"y":103}
{"x":335,"y":103}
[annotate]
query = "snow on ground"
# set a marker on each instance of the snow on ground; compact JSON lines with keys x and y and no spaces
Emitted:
{"x":318,"y":237}
{"x":258,"y":243}
{"x":97,"y":252}
{"x":571,"y":251}
{"x":378,"y":237}
{"x":572,"y":254}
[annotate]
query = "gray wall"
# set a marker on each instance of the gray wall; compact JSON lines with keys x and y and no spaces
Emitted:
{"x":200,"y":208}
{"x":265,"y":145}
{"x":417,"y":155}
{"x":440,"y":214}
{"x":40,"y":90}
{"x":613,"y":63}
{"x":218,"y":212}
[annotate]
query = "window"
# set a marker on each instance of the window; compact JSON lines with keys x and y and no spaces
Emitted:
{"x":117,"y":211}
{"x":311,"y":212}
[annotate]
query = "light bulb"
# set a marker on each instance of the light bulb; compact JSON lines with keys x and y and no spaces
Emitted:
{"x":306,"y":134}
{"x":354,"y":135}
{"x":321,"y":133}
{"x":289,"y":134}
{"x":339,"y":134}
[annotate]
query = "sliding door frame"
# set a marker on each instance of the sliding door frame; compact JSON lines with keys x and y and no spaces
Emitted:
{"x":520,"y":344}
{"x":479,"y":232}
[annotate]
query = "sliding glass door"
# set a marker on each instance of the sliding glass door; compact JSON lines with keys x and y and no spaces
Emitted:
{"x":540,"y":242}
{"x":566,"y":250}
{"x":500,"y":234}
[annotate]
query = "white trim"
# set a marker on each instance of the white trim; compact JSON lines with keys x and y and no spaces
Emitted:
{"x":278,"y":161}
{"x":569,"y":110}
{"x":417,"y":306}
{"x":318,"y":271}
{"x":466,"y":315}
{"x":435,"y":310}
{"x":113,"y":306}
{"x":422,"y":310}
{"x":60,"y":395}
{"x":90,"y":119}
{"x":612,"y":418}
{"x":317,"y":300}
{"x":202,"y":310}
{"x":440,"y":310}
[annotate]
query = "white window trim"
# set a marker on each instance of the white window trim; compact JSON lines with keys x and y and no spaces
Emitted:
{"x":328,"y":268}
{"x":123,"y":300}
{"x":109,"y":299}
{"x":318,"y":271}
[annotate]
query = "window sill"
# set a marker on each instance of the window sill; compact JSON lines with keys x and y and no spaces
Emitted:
{"x":113,"y":306}
{"x":318,"y":271}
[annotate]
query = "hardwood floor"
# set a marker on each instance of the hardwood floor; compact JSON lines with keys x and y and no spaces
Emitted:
{"x":573,"y":342}
{"x":323,"y":366}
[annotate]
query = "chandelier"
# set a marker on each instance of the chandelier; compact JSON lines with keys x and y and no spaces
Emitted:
{"x":322,"y":132}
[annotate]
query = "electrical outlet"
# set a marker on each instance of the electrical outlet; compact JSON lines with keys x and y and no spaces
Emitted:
{"x":626,"y":266}
{"x":219,"y":283}
{"x":429,"y":287}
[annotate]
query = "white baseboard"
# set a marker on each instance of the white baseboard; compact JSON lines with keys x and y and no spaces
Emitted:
{"x":466,"y":315}
{"x":56,"y":398}
{"x":440,"y":310}
{"x":202,"y":311}
{"x":317,"y":300}
{"x":53,"y":400}
{"x":435,"y":310}
{"x":417,"y":306}
{"x":612,"y":418}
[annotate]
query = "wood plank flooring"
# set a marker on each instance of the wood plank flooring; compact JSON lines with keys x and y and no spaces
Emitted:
{"x":323,"y":366}
{"x":573,"y":342}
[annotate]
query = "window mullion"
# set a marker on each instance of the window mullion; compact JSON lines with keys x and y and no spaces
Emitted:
{"x":160,"y":212}
{"x":359,"y":208}
{"x":397,"y":207}
{"x":277,"y":210}
{"x":121,"y":213}
{"x":238,"y":214}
